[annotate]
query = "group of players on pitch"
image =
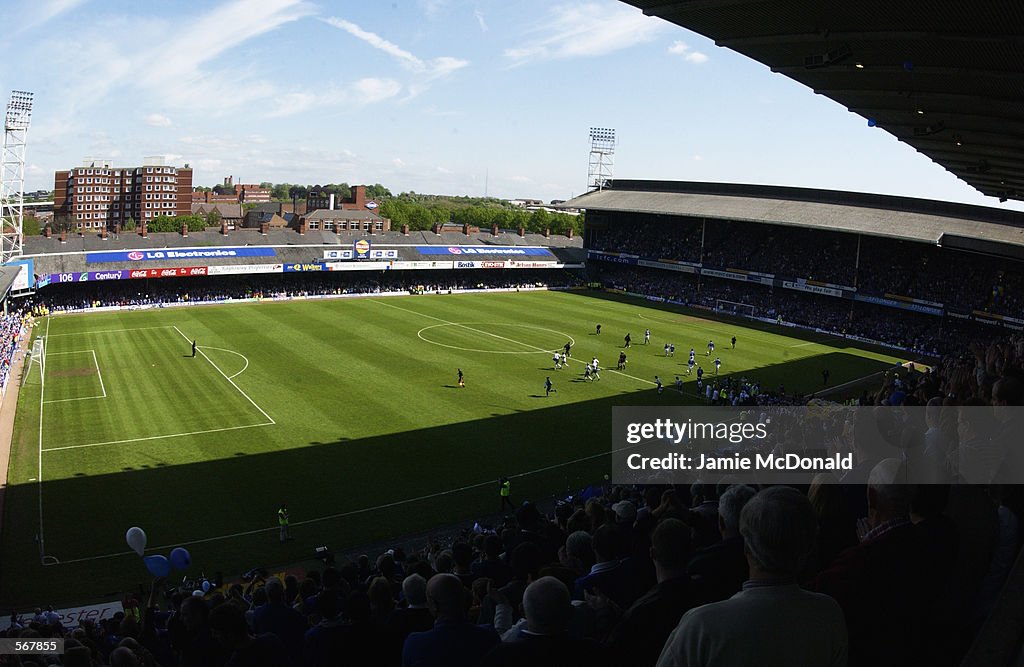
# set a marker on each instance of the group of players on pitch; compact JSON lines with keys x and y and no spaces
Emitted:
{"x":592,"y":369}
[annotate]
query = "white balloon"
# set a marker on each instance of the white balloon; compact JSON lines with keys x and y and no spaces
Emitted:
{"x":136,"y":539}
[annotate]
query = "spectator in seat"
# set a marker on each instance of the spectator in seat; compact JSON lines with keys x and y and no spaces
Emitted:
{"x":609,"y":576}
{"x":882,"y":583}
{"x":721,"y":568}
{"x":227,"y":622}
{"x":639,"y":636}
{"x":491,"y":565}
{"x":453,"y":641}
{"x":546,"y":641}
{"x":322,"y":644}
{"x":772,"y":621}
{"x":415,"y":617}
{"x":278,"y":618}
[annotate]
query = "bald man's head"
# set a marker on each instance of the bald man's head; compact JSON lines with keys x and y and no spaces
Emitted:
{"x":446,"y":596}
{"x":547,"y":606}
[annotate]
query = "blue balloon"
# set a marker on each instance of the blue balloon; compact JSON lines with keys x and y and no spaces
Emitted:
{"x":206,"y":586}
{"x":871,"y":122}
{"x":158,"y":565}
{"x":180,"y":558}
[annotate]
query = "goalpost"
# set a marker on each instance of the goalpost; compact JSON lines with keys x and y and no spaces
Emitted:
{"x":37,"y":356}
{"x":735,"y":308}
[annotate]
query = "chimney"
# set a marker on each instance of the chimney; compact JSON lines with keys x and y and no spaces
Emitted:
{"x":405,"y":230}
{"x":144,"y":229}
{"x":522,"y":231}
{"x":359,"y":196}
{"x":117,"y":228}
{"x":63,"y":236}
{"x":184,"y":230}
{"x":547,"y":233}
{"x":330,"y":202}
{"x":224,"y":227}
{"x":436,"y":228}
{"x":81,"y":230}
{"x":465,"y":228}
{"x":103,"y":233}
{"x":568,"y":232}
{"x":494,"y":230}
{"x":263,"y":228}
{"x":302,"y":226}
{"x":47,"y":232}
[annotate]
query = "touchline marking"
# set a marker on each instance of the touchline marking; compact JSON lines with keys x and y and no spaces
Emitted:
{"x":262,"y":411}
{"x":539,"y":349}
{"x":339,"y":515}
{"x":209,"y":347}
{"x":805,"y":344}
{"x":155,"y":437}
{"x":42,"y":389}
{"x":103,"y":331}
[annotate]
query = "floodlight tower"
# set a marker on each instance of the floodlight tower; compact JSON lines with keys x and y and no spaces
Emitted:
{"x":602,"y":157}
{"x":12,"y":174}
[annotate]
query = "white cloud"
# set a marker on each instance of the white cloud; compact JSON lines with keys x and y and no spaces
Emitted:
{"x":426,"y":71}
{"x":363,"y":92}
{"x":698,"y":158}
{"x":585,"y":30}
{"x":683,"y":49}
{"x":521,"y":179}
{"x":157,"y":120}
{"x":398,"y":162}
{"x":433,"y":7}
{"x":47,"y":10}
{"x":479,"y":15}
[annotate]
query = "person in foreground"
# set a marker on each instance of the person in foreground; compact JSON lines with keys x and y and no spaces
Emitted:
{"x":453,"y":641}
{"x":546,"y":641}
{"x":772,"y":621}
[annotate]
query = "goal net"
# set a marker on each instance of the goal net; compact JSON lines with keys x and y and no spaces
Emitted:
{"x":36,"y":357}
{"x":734,"y":308}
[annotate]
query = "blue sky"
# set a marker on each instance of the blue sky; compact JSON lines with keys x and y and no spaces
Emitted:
{"x":435,"y":96}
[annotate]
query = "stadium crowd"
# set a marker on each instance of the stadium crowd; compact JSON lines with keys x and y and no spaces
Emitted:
{"x":926,"y":334}
{"x":11,"y":333}
{"x":156,"y":292}
{"x":881,"y":266}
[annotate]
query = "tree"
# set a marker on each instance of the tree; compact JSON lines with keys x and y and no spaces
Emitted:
{"x":30,"y":226}
{"x":213,"y":218}
{"x":298,"y":192}
{"x":129,"y":224}
{"x":266,"y":185}
{"x":280,"y":192}
{"x":376,"y":191}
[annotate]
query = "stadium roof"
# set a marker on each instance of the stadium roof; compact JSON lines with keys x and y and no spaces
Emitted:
{"x":944,"y":76}
{"x":962,"y":226}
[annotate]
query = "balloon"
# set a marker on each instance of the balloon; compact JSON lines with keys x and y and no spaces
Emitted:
{"x":136,"y":539}
{"x":180,"y":558}
{"x":157,"y":565}
{"x":206,"y":586}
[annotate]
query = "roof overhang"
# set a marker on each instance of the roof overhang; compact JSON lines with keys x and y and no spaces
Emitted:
{"x":945,"y":77}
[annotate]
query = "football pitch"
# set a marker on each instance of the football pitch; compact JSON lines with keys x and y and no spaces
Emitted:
{"x":346,"y":409}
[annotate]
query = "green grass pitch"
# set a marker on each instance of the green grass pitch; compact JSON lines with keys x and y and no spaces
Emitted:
{"x":347,"y":410}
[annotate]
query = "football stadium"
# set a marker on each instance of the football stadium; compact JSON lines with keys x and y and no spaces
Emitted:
{"x":321,"y":436}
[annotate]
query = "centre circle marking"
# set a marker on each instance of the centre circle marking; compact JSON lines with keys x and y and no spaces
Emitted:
{"x":419,"y":334}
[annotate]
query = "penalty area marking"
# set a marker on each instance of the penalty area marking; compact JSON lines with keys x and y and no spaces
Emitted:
{"x":221,"y":349}
{"x":535,"y":350}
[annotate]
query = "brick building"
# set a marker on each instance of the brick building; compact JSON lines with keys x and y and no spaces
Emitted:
{"x":345,"y":220}
{"x":97,"y":195}
{"x":317,"y":200}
